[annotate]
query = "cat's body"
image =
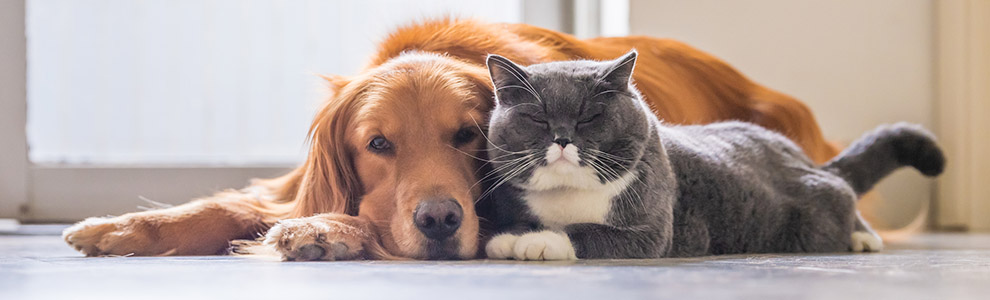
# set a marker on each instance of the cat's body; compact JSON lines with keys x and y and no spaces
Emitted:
{"x":588,"y":171}
{"x":742,"y":188}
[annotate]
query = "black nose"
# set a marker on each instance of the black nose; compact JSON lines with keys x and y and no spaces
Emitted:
{"x":562,"y":141}
{"x":438,"y":219}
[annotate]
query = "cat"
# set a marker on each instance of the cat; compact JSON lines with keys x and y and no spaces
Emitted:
{"x":586,"y":170}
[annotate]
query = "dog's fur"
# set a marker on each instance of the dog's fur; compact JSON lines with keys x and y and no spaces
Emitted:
{"x":426,"y":83}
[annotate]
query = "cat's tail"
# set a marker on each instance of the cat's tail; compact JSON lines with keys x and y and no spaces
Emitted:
{"x":883,"y":150}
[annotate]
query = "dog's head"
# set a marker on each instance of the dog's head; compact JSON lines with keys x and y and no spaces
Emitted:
{"x":398,"y":145}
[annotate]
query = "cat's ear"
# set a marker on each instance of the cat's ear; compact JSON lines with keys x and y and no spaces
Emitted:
{"x":505,"y":74}
{"x":620,"y":70}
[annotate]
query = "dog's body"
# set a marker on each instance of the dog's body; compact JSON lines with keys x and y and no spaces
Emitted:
{"x":392,"y":171}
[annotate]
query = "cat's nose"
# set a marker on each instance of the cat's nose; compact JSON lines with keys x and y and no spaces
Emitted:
{"x":562,"y":142}
{"x":438,"y":219}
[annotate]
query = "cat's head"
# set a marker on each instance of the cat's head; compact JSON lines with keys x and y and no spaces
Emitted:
{"x":568,"y":124}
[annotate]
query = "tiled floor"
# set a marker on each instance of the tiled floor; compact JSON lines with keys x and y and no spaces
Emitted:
{"x":932,"y":266}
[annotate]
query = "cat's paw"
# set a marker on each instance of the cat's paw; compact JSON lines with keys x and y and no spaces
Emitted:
{"x":543,"y":245}
{"x":500,"y":246}
{"x":866,"y":241}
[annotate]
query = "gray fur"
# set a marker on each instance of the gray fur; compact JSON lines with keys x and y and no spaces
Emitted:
{"x":723,"y":188}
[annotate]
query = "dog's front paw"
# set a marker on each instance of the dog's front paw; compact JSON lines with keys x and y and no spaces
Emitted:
{"x":87,"y":236}
{"x":866,"y":241}
{"x":111,"y":236}
{"x":315,"y":238}
{"x":543,"y":245}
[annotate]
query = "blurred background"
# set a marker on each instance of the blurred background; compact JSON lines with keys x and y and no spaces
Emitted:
{"x":106,"y":101}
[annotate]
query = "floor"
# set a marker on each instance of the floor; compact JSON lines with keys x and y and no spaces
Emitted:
{"x":929,"y":266}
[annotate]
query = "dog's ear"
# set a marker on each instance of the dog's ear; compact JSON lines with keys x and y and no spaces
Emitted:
{"x":329,"y":183}
{"x":482,"y":87}
{"x":335,"y":82}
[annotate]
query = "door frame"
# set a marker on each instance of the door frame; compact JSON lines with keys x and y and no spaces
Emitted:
{"x":963,"y":113}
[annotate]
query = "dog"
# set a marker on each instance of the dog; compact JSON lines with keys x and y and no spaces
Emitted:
{"x":396,"y":156}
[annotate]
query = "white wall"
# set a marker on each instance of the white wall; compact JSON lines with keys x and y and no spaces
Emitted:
{"x":857,"y":64}
{"x":200,"y":81}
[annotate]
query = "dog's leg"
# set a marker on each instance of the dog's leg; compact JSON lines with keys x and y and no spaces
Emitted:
{"x":321,"y":237}
{"x":200,"y":227}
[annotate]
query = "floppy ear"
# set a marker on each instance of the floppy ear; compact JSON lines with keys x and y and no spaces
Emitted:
{"x":508,"y":78}
{"x":620,"y":70}
{"x":329,"y":183}
{"x":482,"y":87}
{"x":335,"y":82}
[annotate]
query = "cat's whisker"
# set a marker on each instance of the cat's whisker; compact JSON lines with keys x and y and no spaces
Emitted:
{"x":498,"y":158}
{"x":614,"y":157}
{"x":519,"y":76}
{"x":606,"y":92}
{"x":517,"y":163}
{"x":603,"y":165}
{"x":638,"y":199}
{"x":523,"y":81}
{"x":513,"y":164}
{"x":507,"y":110}
{"x":519,"y":87}
{"x":509,"y":165}
{"x":599,"y":163}
{"x":481,"y":159}
{"x":468,"y":154}
{"x":623,"y":195}
{"x":601,"y":170}
{"x":489,"y":140}
{"x":609,"y":155}
{"x":515,"y":172}
{"x":605,"y":156}
{"x":527,"y":152}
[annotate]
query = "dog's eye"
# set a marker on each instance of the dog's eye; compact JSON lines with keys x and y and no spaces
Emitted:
{"x":464,"y":136}
{"x":379,"y":144}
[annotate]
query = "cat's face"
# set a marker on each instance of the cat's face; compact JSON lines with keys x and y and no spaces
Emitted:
{"x":571,"y":124}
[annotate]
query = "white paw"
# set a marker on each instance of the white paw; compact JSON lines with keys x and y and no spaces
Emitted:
{"x":500,"y":247}
{"x":865,"y":241}
{"x":544,"y":245}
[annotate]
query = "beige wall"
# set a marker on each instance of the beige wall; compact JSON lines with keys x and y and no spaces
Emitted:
{"x":857,"y":64}
{"x":13,"y":142}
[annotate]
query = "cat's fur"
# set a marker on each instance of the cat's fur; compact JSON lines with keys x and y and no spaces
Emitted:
{"x":586,"y":170}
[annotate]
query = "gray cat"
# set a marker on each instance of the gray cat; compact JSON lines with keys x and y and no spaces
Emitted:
{"x":586,"y":170}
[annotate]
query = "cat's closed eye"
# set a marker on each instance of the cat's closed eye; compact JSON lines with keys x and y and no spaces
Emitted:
{"x":590,"y":118}
{"x":537,"y":119}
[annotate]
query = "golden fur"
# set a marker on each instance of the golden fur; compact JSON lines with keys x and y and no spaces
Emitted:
{"x":426,"y":82}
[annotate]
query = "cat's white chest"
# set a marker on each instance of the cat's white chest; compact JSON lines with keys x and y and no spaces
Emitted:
{"x":572,"y":195}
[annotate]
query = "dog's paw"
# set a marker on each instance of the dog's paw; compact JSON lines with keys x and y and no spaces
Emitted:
{"x":87,"y":235}
{"x":544,"y":245}
{"x":108,"y":236}
{"x":866,"y":241}
{"x":312,"y":238}
{"x":501,"y":246}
